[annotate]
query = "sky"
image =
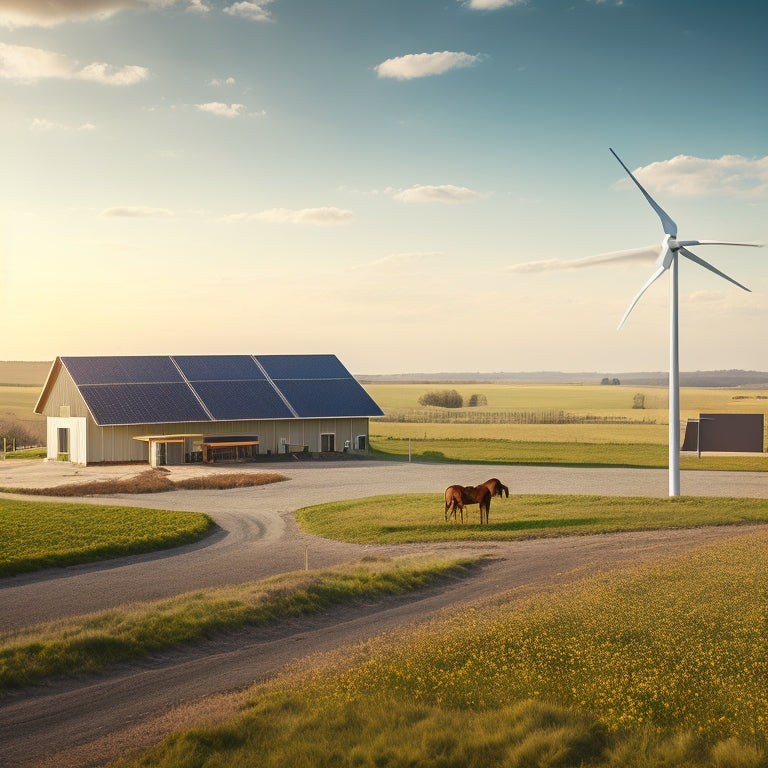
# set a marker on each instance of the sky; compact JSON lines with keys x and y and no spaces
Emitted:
{"x":412,"y":185}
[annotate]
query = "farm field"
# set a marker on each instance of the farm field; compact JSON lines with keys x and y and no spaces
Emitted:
{"x":19,"y":402}
{"x":616,"y":434}
{"x":660,"y":665}
{"x":581,"y":400}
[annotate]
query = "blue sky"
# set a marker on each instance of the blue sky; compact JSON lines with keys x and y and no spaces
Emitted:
{"x":404,"y":183}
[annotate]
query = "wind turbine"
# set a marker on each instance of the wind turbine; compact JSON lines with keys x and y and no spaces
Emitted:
{"x":666,"y":261}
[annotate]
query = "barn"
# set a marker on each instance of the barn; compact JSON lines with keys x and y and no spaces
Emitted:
{"x":207,"y":408}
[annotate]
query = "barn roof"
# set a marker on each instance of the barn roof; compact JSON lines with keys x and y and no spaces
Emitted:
{"x":161,"y":389}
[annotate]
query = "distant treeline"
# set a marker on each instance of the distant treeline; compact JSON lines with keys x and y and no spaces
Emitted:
{"x":538,"y":416}
{"x":724,"y":378}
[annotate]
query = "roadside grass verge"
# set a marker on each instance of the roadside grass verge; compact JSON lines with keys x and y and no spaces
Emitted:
{"x":553,"y":453}
{"x":660,"y":665}
{"x":27,"y":453}
{"x":414,"y":517}
{"x":90,"y":643}
{"x":154,"y":481}
{"x":36,"y":535}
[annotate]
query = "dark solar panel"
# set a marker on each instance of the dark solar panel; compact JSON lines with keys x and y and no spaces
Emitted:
{"x":218,"y":367}
{"x":323,"y":397}
{"x":150,"y":389}
{"x":233,"y":400}
{"x":303,"y":367}
{"x":142,"y":403}
{"x":121,"y":370}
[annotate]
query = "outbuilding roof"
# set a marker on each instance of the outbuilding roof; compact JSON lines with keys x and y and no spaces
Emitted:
{"x":161,"y":389}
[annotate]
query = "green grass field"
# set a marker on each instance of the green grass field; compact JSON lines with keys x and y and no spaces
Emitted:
{"x":36,"y":535}
{"x":407,"y":518}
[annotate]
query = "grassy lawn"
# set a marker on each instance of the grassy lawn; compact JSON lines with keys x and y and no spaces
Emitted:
{"x":398,"y":519}
{"x":35,"y":535}
{"x":656,"y":666}
{"x":92,"y":642}
{"x":553,"y":453}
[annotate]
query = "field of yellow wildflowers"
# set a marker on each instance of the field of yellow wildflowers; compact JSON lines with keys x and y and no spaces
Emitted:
{"x":663,"y":665}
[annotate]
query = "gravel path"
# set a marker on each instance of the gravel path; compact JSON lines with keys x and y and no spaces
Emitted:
{"x":88,"y":721}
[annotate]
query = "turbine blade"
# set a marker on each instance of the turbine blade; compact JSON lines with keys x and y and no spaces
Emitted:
{"x":655,"y":276}
{"x":670,"y":228}
{"x":717,"y":242}
{"x":693,"y":257}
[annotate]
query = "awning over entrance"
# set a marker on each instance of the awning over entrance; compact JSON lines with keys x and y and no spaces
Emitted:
{"x":167,"y":449}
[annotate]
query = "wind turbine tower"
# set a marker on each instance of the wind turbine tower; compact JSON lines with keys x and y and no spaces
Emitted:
{"x":667,"y":256}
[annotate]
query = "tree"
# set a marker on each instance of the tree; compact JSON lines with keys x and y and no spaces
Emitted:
{"x":444,"y":398}
{"x":638,"y":401}
{"x":476,"y":400}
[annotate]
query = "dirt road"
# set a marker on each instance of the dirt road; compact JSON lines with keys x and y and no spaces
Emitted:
{"x":88,"y":721}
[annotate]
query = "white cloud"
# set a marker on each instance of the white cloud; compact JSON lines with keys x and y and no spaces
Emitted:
{"x":44,"y":13}
{"x":221,"y":109}
{"x":444,"y":193}
{"x":323,"y":217}
{"x":110,"y":75}
{"x":221,"y":81}
{"x":561,"y":265}
{"x":492,"y":5}
{"x":135,"y":212}
{"x":687,"y":176}
{"x":42,"y":125}
{"x":252,"y":11}
{"x":416,"y":65}
{"x":25,"y":64}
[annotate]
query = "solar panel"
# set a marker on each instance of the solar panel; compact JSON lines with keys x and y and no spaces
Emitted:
{"x":233,"y":400}
{"x":142,"y":403}
{"x":303,"y":367}
{"x":218,"y":367}
{"x":150,"y":389}
{"x":328,"y":397}
{"x":121,"y":370}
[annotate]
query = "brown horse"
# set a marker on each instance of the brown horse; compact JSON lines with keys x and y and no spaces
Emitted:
{"x":496,"y":487}
{"x":459,"y":496}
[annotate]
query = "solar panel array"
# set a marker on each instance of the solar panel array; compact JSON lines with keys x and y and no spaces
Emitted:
{"x":186,"y":388}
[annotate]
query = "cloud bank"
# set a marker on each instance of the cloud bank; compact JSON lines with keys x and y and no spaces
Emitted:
{"x":220,"y":109}
{"x":416,"y":65}
{"x":687,"y":176}
{"x":492,"y":5}
{"x":445,"y":193}
{"x":321,"y":217}
{"x":561,"y":265}
{"x":44,"y":13}
{"x":25,"y":64}
{"x":135,"y":212}
{"x":252,"y":11}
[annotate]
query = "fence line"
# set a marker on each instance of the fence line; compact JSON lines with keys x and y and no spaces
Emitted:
{"x":537,"y":416}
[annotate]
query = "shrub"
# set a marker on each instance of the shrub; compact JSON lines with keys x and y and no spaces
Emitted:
{"x":443,"y":398}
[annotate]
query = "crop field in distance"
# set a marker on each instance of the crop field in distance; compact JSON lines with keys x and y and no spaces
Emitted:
{"x":550,"y":412}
